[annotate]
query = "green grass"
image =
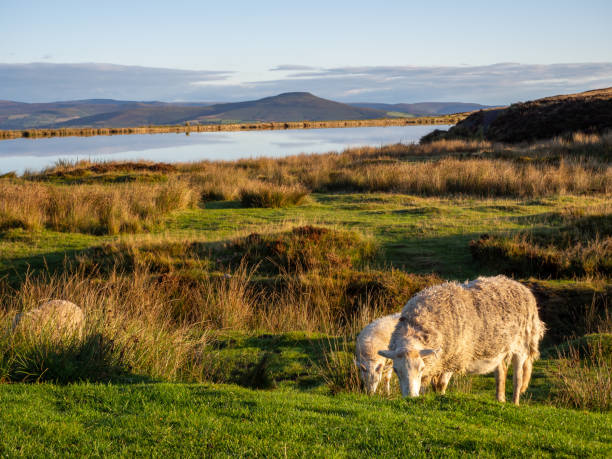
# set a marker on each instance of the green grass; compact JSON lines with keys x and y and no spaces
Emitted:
{"x":179,"y":420}
{"x":273,"y":400}
{"x":420,"y":235}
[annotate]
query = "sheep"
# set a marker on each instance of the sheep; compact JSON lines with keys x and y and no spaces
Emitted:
{"x":373,"y":367}
{"x":476,"y":328}
{"x":59,"y":318}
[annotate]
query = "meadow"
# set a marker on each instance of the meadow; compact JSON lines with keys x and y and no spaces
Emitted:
{"x":223,"y":298}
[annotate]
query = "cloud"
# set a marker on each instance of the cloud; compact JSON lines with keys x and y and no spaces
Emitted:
{"x":290,"y":67}
{"x":489,"y":84}
{"x":494,"y":84}
{"x":45,"y":82}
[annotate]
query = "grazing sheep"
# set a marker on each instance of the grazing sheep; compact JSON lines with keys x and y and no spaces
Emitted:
{"x":468,"y":328}
{"x":60,"y":318}
{"x":373,"y":367}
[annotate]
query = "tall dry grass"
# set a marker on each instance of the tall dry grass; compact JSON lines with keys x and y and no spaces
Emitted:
{"x":581,"y":246}
{"x":95,"y":209}
{"x":444,"y":167}
{"x":583,"y":376}
{"x":130,"y":333}
{"x":149,"y":323}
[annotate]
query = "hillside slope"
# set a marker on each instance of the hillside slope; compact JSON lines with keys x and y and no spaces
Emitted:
{"x":295,"y":106}
{"x":19,"y":115}
{"x":589,"y":111}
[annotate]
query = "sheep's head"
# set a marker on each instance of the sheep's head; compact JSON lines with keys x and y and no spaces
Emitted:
{"x":409,"y":365}
{"x":371,"y":373}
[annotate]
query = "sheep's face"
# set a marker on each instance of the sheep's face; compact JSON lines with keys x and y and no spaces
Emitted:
{"x":371,"y":374}
{"x":408,"y":364}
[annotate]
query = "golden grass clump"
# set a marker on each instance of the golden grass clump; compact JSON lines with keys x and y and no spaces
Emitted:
{"x":583,"y":376}
{"x":265,"y":195}
{"x":129,"y":333}
{"x":95,"y":209}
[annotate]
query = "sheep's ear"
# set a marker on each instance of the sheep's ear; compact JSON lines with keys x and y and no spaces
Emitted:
{"x":387,"y":353}
{"x":426,"y":352}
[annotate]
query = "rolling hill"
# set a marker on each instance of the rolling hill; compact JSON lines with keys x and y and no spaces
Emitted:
{"x":424,"y":108}
{"x":293,"y":106}
{"x":589,"y":111}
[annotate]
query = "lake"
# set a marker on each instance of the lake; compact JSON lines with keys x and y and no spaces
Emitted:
{"x":35,"y":154}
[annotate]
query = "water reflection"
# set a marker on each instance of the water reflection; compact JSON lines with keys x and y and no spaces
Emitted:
{"x":34,"y":154}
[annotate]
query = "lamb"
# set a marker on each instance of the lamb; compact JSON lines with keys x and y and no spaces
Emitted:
{"x":475,"y":328}
{"x":373,"y":367}
{"x":59,"y":318}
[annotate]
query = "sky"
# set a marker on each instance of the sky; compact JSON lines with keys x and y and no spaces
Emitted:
{"x":389,"y":51}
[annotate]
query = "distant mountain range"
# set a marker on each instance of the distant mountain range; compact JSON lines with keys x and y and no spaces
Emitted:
{"x":561,"y":115}
{"x":293,"y":106}
{"x":424,"y":108}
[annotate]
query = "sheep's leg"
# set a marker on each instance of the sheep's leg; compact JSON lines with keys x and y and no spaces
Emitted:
{"x":443,"y":382}
{"x":433,"y":380}
{"x":517,"y":378}
{"x":387,"y":377}
{"x":527,"y":367}
{"x":500,"y":381}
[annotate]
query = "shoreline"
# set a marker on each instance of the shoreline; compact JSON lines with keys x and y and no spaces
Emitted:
{"x":269,"y":126}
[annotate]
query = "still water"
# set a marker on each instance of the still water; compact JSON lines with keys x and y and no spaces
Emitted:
{"x":34,"y":154}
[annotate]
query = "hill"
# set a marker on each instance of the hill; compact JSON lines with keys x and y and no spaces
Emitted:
{"x":19,"y":115}
{"x":424,"y":108}
{"x":295,"y":106}
{"x":287,"y":107}
{"x":589,"y":111}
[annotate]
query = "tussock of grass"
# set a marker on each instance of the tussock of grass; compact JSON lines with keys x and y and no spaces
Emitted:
{"x":583,"y":376}
{"x":337,"y":367}
{"x":272,"y":196}
{"x":130,"y":333}
{"x":304,"y":248}
{"x":94,"y":209}
{"x":581,"y":247}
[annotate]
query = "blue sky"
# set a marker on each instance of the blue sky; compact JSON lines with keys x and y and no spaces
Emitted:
{"x":351,"y":50}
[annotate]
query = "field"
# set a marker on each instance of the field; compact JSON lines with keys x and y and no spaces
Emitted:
{"x":223,"y":298}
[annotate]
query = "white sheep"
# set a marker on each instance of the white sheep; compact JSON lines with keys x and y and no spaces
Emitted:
{"x":467,"y":328}
{"x":59,"y":318}
{"x":372,"y":366}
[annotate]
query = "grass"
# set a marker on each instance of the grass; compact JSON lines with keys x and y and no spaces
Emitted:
{"x":93,"y":209}
{"x":584,"y":373}
{"x":272,"y":196}
{"x":195,"y":420}
{"x":580,"y":247}
{"x":208,"y":294}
